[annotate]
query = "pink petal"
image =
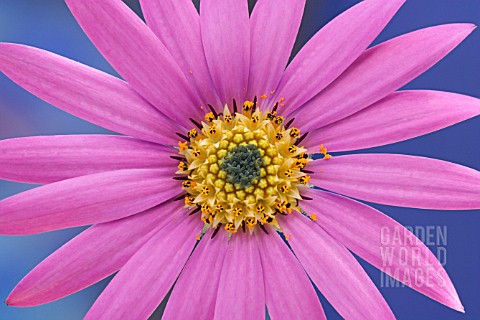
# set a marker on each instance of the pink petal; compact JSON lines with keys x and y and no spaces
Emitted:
{"x":86,"y":200}
{"x":142,"y":283}
{"x":400,"y":180}
{"x":241,"y":293}
{"x":380,"y":71}
{"x":194,"y":296}
{"x":333,"y":49}
{"x":48,"y":159}
{"x":177,"y":24}
{"x":85,"y":92}
{"x":370,"y":234}
{"x":289,"y":292}
{"x":76,"y":266}
{"x":334,"y":270}
{"x":138,"y":56}
{"x":225,"y":27}
{"x":274,"y":28}
{"x":400,"y":116}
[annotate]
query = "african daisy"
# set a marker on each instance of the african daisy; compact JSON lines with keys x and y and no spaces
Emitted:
{"x":216,"y":162}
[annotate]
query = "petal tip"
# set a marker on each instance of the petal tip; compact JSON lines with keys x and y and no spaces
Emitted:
{"x":454,"y":301}
{"x":9,"y":302}
{"x":458,"y":307}
{"x":16,"y":298}
{"x":13,"y":300}
{"x":467,"y":27}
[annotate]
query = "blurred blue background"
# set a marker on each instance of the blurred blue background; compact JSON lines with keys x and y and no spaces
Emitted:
{"x":49,"y":25}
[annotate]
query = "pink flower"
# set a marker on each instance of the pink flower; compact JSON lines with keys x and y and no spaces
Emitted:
{"x":241,"y":168}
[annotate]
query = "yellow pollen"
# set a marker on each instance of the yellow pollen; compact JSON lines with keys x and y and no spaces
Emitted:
{"x":294,"y":132}
{"x":271,"y":115}
{"x":248,"y":105}
{"x":209,"y":117}
{"x":251,"y":222}
{"x":192,"y":134}
{"x":323,"y":150}
{"x":301,"y":163}
{"x":263,"y":96}
{"x":196,"y":152}
{"x":189,"y":200}
{"x":212,"y":130}
{"x":304,"y":180}
{"x":281,"y":100}
{"x":237,"y":211}
{"x":183,"y":145}
{"x":182,"y":166}
{"x":230,"y":227}
{"x":313,"y":217}
{"x":272,"y":92}
{"x":243,"y":169}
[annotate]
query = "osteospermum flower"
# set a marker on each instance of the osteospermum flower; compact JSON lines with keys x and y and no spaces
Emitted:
{"x":217,"y":151}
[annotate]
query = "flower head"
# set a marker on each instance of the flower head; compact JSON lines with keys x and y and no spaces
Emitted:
{"x":223,"y":144}
{"x":243,"y":168}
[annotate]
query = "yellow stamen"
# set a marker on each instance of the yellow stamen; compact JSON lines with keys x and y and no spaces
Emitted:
{"x":304,"y":180}
{"x":183,"y":145}
{"x":323,"y":150}
{"x":205,"y":190}
{"x":209,"y":117}
{"x":248,"y":105}
{"x":189,"y":200}
{"x":192,"y":134}
{"x":230,"y":227}
{"x":294,"y":132}
{"x":182,"y":166}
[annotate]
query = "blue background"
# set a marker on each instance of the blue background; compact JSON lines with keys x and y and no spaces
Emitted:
{"x":49,"y":25}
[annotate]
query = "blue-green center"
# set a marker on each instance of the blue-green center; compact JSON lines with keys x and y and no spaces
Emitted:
{"x":242,"y":165}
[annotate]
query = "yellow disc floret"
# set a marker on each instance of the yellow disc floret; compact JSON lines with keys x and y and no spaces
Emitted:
{"x":243,"y":169}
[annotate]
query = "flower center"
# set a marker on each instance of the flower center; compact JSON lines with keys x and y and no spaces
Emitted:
{"x":242,"y":165}
{"x":242,"y":169}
